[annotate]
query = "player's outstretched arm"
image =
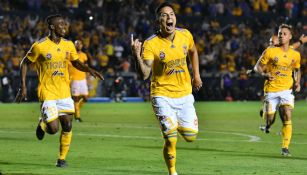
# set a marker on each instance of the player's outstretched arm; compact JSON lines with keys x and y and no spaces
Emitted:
{"x":22,"y":91}
{"x":197,"y":83}
{"x":300,"y":42}
{"x":84,"y":68}
{"x":143,"y":66}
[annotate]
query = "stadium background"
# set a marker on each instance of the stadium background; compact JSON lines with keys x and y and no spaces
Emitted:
{"x":230,"y":36}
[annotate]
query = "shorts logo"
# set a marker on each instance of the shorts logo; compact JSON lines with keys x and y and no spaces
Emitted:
{"x":49,"y":56}
{"x":162,"y":55}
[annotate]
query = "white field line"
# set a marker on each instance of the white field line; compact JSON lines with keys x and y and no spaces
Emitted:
{"x":250,"y":138}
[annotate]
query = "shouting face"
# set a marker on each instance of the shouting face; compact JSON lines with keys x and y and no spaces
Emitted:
{"x":167,"y":20}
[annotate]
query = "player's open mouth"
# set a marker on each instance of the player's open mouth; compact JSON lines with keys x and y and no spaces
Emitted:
{"x":169,"y":25}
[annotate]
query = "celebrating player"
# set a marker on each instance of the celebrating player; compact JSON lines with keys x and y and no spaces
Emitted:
{"x":79,"y":89}
{"x":276,"y":65}
{"x":51,"y":55}
{"x":164,"y":54}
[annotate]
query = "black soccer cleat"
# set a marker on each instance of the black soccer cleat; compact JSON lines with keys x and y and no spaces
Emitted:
{"x":40,"y":133}
{"x":61,"y":163}
{"x":265,"y":129}
{"x":285,"y":152}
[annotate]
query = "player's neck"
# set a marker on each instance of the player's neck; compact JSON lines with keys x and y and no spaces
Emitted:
{"x":53,"y":37}
{"x":167,"y":36}
{"x":285,"y":47}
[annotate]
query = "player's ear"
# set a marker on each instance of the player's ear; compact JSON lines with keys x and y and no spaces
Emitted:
{"x":52,"y":26}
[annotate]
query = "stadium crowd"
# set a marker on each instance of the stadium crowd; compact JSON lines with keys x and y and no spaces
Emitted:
{"x":230,"y":35}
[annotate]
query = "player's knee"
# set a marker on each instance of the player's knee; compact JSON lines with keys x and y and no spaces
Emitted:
{"x":189,"y":135}
{"x":67,"y":127}
{"x":52,"y":130}
{"x":189,"y":138}
{"x":170,"y":137}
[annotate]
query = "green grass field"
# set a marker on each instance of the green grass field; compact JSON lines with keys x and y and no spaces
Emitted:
{"x":124,"y":139}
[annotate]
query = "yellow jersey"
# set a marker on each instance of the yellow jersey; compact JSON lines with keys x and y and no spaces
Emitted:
{"x":51,"y":61}
{"x":74,"y":73}
{"x":280,"y":64}
{"x":170,"y":75}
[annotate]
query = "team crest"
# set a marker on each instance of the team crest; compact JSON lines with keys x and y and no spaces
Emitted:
{"x":275,"y":60}
{"x":185,"y":50}
{"x":162,"y":55}
{"x":292,"y":62}
{"x":49,"y":56}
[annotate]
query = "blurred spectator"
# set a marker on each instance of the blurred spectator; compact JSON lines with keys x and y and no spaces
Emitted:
{"x":230,"y":34}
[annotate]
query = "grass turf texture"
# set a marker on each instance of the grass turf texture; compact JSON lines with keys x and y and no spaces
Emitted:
{"x":124,"y":139}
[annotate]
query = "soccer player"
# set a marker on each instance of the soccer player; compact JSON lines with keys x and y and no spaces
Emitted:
{"x":274,"y":42}
{"x":164,"y":55}
{"x":79,"y":89}
{"x":276,"y":65}
{"x":51,"y":55}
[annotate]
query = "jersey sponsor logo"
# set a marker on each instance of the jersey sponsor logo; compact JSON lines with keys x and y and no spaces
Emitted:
{"x":278,"y":73}
{"x":55,"y":65}
{"x":176,"y":63}
{"x":49,"y":56}
{"x":162,"y":55}
{"x":57,"y":73}
{"x":174,"y":71}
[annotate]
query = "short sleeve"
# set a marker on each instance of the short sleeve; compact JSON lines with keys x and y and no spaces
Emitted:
{"x":73,"y":52}
{"x":190,"y":39}
{"x":33,"y":53}
{"x":298,"y":61}
{"x":147,"y":52}
{"x":265,"y":57}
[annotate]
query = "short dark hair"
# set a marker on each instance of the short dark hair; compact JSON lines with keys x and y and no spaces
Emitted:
{"x":50,"y":18}
{"x":287,"y":26}
{"x":162,"y":5}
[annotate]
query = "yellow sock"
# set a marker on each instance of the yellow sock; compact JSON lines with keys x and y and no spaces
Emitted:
{"x":286,"y":134}
{"x":65,"y":140}
{"x":43,"y":126}
{"x":169,"y":153}
{"x":81,"y":102}
{"x":77,"y":110}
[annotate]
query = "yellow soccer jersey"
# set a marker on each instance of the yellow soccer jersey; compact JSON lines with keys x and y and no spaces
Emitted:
{"x":170,"y":74}
{"x":280,"y":64}
{"x":51,"y":61}
{"x":74,"y":73}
